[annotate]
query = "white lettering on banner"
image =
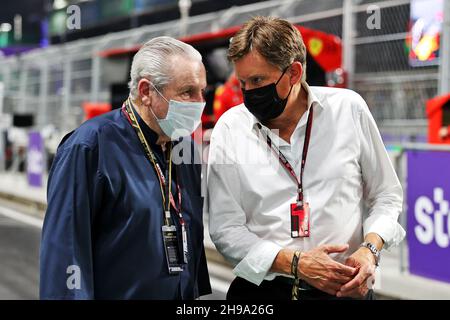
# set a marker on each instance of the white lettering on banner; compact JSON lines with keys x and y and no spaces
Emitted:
{"x":35,"y":161}
{"x":432,"y":223}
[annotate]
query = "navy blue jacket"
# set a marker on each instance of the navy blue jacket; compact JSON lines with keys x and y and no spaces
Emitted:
{"x":105,"y":214}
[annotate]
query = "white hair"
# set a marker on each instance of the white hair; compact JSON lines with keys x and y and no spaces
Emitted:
{"x":153,"y":62}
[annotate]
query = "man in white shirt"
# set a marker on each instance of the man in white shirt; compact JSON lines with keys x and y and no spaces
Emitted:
{"x":280,"y":227}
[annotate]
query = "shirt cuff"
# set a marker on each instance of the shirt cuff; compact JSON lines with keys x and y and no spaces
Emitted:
{"x":258,"y":261}
{"x":388,"y":229}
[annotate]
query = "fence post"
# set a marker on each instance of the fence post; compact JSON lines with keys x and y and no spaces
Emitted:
{"x":95,"y":77}
{"x":401,"y":171}
{"x":444,"y":66}
{"x":348,"y":28}
{"x":67,"y":85}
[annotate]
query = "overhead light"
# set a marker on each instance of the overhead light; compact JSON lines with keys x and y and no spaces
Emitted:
{"x":5,"y":27}
{"x":185,"y":4}
{"x":59,"y":4}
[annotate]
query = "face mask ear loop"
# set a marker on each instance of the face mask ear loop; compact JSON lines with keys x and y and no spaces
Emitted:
{"x":154,"y":115}
{"x":151,"y":110}
{"x":284,"y":71}
{"x":159,"y":92}
{"x":288,"y":93}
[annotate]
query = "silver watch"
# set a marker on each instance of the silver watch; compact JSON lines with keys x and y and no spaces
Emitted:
{"x":374,"y":251}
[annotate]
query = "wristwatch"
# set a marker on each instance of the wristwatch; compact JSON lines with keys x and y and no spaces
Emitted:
{"x":372,"y":249}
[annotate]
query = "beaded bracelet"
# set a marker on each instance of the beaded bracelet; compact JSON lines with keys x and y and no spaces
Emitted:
{"x":294,"y":272}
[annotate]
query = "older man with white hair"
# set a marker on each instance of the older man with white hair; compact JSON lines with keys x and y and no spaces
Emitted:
{"x":124,"y":217}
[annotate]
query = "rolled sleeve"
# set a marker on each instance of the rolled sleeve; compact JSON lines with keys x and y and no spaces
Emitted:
{"x":256,"y":264}
{"x":386,"y":227}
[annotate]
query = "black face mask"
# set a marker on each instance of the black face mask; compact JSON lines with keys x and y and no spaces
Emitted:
{"x":264,"y":102}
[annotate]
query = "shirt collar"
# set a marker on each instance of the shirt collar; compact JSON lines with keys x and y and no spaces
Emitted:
{"x":150,"y":135}
{"x":312,"y":100}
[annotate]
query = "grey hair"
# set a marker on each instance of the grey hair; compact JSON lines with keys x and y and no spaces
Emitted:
{"x":153,"y":62}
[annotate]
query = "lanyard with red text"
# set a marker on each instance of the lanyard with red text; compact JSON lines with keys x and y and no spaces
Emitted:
{"x":166,"y":192}
{"x":165,"y":188}
{"x":286,"y":163}
{"x":299,"y":211}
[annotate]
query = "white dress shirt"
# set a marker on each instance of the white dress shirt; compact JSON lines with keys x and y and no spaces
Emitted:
{"x":347,"y":167}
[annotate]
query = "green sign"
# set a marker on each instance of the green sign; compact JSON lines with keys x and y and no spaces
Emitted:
{"x":6,"y":39}
{"x":116,"y":8}
{"x":58,"y":22}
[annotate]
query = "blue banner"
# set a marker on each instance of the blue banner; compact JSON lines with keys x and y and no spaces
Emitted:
{"x":428,"y":230}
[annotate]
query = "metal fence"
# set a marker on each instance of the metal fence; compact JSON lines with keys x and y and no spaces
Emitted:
{"x":53,"y":82}
{"x":378,"y":66}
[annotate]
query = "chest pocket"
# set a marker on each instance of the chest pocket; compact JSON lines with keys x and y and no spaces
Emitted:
{"x":335,"y":162}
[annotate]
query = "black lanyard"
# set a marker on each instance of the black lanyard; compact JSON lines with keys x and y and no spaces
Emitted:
{"x":166,"y":193}
{"x":286,"y":163}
